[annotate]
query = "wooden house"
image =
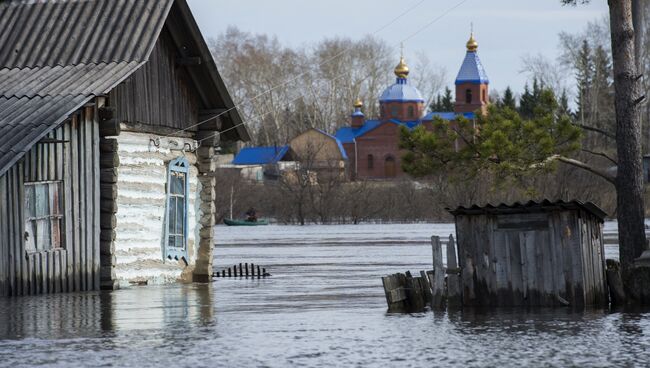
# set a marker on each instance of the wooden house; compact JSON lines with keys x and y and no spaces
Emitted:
{"x":532,"y":254}
{"x":109,"y":114}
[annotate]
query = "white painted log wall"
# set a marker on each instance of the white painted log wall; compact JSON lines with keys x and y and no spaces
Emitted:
{"x":141,"y":202}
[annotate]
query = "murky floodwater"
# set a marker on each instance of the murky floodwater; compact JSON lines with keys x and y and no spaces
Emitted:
{"x":324,"y":306}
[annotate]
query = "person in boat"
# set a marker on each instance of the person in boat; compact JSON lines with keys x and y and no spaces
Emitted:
{"x":251,"y":215}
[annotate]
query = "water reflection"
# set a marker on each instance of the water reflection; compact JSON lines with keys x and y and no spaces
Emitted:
{"x":102,"y":314}
{"x":323,"y":307}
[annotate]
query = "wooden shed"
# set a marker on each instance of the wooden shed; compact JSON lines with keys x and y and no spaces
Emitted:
{"x":533,"y":254}
{"x":110,"y":111}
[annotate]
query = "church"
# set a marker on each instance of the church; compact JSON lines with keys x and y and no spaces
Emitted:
{"x":372,"y":145}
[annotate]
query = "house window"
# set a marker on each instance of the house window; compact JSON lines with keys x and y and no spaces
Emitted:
{"x":43,"y":216}
{"x":177,"y":194}
{"x":411,"y":111}
{"x":468,"y":96}
{"x":371,"y":162}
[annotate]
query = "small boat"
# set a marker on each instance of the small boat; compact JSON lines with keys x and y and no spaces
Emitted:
{"x":231,"y":222}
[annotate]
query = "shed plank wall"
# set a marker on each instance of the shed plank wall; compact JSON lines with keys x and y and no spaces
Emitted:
{"x":159,"y":93}
{"x":531,"y":259}
{"x":74,"y":267}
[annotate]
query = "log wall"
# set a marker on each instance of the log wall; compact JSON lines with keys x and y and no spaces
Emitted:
{"x":141,"y":207}
{"x":74,"y":266}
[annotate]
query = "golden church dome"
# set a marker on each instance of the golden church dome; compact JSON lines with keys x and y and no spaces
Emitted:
{"x":472,"y":45}
{"x":402,"y":70}
{"x":358,"y":103}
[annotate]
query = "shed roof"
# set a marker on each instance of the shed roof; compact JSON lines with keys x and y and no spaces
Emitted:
{"x":260,"y":155}
{"x":58,"y":55}
{"x":530,"y":207}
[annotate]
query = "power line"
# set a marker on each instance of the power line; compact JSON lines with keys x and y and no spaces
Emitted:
{"x":297,"y":76}
{"x":342,"y":75}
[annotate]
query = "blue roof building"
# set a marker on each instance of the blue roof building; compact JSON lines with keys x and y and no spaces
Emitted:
{"x":373,"y":145}
{"x":260,"y":155}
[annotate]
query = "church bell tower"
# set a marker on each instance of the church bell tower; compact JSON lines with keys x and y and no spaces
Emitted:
{"x":472,"y":82}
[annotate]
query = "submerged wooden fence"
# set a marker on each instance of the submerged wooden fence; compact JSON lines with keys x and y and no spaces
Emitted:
{"x":406,"y":293}
{"x":244,"y":270}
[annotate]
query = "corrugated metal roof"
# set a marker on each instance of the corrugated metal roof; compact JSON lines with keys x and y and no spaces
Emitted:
{"x":531,"y":206}
{"x":260,"y":155}
{"x":57,"y":55}
{"x":70,"y":32}
{"x":81,"y":79}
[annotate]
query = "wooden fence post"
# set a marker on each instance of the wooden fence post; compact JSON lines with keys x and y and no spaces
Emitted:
{"x":426,"y":287}
{"x":454,"y":297}
{"x":438,"y":279}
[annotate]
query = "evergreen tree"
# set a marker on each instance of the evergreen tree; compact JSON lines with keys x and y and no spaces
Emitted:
{"x":526,"y":103}
{"x":447,"y":101}
{"x":584,"y":74}
{"x":436,"y":103}
{"x":508,"y":99}
{"x":563,"y":105}
{"x":443,"y":102}
{"x":602,"y":101}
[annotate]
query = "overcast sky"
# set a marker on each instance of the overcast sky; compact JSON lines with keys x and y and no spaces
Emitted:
{"x":505,"y":29}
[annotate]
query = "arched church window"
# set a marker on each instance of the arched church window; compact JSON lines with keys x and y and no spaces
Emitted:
{"x":484,"y":99}
{"x":394,"y":110}
{"x":411,"y":112}
{"x":371,"y":162}
{"x":468,"y":96}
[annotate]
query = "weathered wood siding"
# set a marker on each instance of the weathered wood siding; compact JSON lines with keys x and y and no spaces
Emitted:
{"x":536,"y":259}
{"x":141,"y":208}
{"x":159,"y":93}
{"x":75,"y":266}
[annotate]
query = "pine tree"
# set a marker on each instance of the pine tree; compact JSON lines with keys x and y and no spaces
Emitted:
{"x":436,"y":103}
{"x":584,"y":74}
{"x":602,"y":96}
{"x":447,"y":101}
{"x":508,"y":99}
{"x":526,"y":103}
{"x":563,"y":105}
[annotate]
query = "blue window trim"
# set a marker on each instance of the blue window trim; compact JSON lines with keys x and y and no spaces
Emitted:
{"x":181,"y":165}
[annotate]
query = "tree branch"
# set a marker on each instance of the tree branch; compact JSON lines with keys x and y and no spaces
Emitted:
{"x":584,"y":166}
{"x":596,"y":130}
{"x":601,"y":154}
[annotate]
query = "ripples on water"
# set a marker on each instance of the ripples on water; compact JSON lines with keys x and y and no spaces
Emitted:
{"x":324,"y":306}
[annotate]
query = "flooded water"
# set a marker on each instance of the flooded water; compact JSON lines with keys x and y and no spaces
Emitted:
{"x":324,"y":306}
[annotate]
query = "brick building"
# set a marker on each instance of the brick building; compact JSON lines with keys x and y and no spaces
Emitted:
{"x":372,"y":144}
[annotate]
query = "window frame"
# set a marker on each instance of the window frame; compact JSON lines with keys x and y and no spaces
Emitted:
{"x":30,"y":222}
{"x":411,"y":111}
{"x":468,"y":95}
{"x":371,"y":162}
{"x":177,"y":165}
{"x":394,"y":111}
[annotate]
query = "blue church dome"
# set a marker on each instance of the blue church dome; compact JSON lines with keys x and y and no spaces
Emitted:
{"x":401,"y":91}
